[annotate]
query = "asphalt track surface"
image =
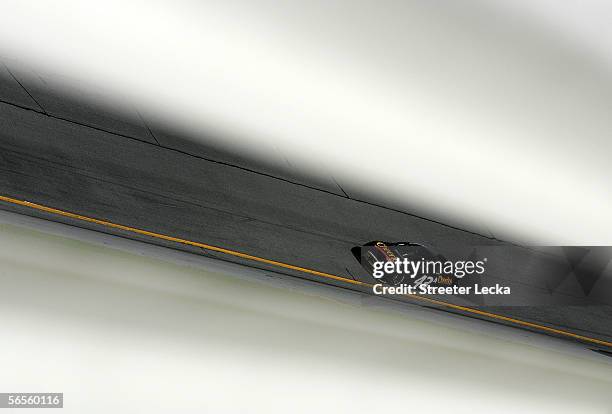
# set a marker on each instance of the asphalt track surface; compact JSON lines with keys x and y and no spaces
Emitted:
{"x":67,"y":160}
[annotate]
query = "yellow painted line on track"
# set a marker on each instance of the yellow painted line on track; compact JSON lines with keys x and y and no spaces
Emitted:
{"x":293,"y":267}
{"x":175,"y":239}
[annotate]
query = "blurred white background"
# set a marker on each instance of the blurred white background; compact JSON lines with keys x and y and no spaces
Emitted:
{"x":121,"y":326}
{"x":493,"y":113}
